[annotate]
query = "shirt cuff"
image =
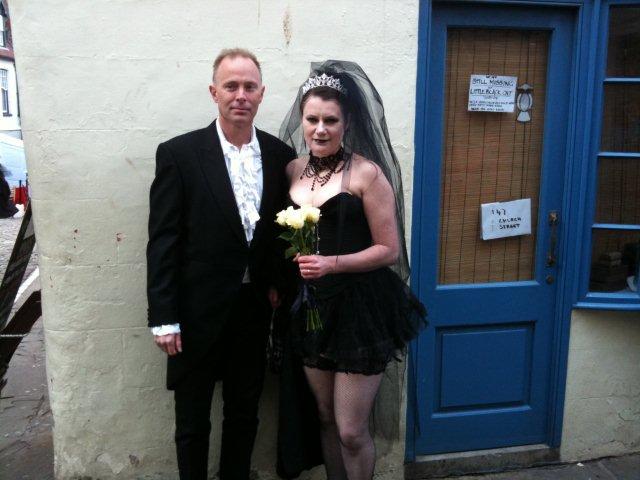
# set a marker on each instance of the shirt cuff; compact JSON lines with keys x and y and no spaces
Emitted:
{"x":166,"y":329}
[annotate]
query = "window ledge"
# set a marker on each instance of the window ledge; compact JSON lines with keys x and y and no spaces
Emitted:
{"x":607,"y":305}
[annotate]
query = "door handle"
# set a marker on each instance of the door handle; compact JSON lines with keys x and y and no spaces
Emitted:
{"x":554,"y":220}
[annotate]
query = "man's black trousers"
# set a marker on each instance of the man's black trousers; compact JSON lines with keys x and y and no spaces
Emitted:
{"x":238,"y":359}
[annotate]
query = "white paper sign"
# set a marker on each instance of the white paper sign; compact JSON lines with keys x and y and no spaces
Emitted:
{"x":505,"y":219}
{"x":492,"y":93}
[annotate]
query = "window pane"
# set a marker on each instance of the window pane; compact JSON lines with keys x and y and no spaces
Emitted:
{"x":623,"y":55}
{"x":618,"y":191}
{"x":614,"y":261}
{"x":621,"y":118}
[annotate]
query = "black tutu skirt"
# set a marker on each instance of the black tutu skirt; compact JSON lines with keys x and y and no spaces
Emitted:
{"x":367,"y":321}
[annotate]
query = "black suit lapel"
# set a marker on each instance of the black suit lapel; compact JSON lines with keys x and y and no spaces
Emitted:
{"x":269,"y":183}
{"x":215,"y":171}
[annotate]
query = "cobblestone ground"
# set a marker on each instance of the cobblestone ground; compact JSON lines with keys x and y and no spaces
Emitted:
{"x":26,"y":446}
{"x":8,"y":232}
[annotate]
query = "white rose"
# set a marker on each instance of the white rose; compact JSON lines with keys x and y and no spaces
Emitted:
{"x":311,"y":214}
{"x":295,"y":219}
{"x":287,"y":213}
{"x":281,"y":218}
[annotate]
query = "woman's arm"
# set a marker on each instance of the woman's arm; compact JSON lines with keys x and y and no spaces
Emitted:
{"x":380,"y":210}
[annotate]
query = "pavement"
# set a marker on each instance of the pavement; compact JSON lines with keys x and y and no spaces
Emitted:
{"x":26,"y":445}
{"x":626,"y":467}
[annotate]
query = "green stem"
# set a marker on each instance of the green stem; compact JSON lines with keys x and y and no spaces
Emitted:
{"x":300,"y":241}
{"x":304,"y":243}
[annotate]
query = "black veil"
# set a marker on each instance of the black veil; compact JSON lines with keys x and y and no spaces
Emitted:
{"x":366,"y":134}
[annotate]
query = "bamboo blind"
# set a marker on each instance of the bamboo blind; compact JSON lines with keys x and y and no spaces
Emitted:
{"x":618,"y":199}
{"x":489,"y":157}
{"x":621,"y":119}
{"x":623,"y":49}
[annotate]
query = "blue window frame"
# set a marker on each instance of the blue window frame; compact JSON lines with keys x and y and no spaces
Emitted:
{"x":610,"y":256}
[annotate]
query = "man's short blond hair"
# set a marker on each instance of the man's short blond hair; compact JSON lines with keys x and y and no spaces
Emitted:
{"x":233,"y":53}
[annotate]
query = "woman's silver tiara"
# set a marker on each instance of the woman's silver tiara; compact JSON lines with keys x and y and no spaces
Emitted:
{"x":323,"y":80}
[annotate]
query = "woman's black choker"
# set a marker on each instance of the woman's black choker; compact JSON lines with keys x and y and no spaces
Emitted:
{"x":316,"y":165}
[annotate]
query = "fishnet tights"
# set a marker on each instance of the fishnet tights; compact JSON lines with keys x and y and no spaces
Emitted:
{"x":344,"y":404}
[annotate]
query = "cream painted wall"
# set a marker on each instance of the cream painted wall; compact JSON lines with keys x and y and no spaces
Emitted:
{"x":602,"y":404}
{"x":101,"y":84}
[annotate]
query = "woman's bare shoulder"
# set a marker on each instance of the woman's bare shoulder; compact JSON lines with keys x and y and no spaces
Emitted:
{"x":364,"y":171}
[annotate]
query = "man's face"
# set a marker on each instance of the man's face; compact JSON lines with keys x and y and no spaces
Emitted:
{"x":238,"y":90}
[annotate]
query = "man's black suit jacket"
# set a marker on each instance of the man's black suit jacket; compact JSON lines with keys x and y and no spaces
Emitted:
{"x":197,"y":251}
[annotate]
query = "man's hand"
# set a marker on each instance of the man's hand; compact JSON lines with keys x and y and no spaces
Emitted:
{"x":274,"y":298}
{"x":171,"y":344}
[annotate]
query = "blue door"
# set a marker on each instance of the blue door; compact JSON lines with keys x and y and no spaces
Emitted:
{"x":484,"y":369}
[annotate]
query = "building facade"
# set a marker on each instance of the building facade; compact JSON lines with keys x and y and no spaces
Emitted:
{"x":517,"y":127}
{"x":10,"y":119}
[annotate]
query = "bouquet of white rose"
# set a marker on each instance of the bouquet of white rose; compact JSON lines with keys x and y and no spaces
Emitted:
{"x":302,"y":234}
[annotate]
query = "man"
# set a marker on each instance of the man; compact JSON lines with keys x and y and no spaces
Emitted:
{"x":210,"y":266}
{"x":7,"y":207}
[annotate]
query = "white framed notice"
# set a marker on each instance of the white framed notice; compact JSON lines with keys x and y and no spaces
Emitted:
{"x":505,"y":219}
{"x":492,"y":93}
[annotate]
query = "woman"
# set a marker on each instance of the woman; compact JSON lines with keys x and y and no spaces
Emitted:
{"x":368,"y":313}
